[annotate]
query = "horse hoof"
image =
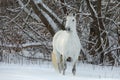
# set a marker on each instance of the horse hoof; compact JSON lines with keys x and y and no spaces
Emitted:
{"x":63,"y":73}
{"x":74,"y":71}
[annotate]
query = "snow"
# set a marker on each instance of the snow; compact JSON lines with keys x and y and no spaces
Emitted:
{"x":47,"y":72}
{"x":26,"y":44}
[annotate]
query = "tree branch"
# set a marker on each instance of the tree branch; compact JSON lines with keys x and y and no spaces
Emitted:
{"x":33,"y":15}
{"x":21,"y":46}
{"x":91,"y":8}
{"x":46,"y":19}
{"x":118,"y":48}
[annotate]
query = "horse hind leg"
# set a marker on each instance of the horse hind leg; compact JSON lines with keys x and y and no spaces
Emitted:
{"x":60,"y":64}
{"x":64,"y":65}
{"x":57,"y":61}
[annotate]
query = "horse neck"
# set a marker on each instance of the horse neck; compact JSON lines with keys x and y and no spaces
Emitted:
{"x":74,"y":30}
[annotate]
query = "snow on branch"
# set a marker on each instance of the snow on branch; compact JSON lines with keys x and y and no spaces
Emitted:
{"x":30,"y":57}
{"x":26,"y":45}
{"x":53,"y":16}
{"x":33,"y":15}
{"x":45,"y":18}
{"x":117,"y":48}
{"x":107,"y":18}
{"x":91,"y":8}
{"x":66,"y":5}
{"x":20,"y":27}
{"x":114,"y":7}
{"x":49,"y":11}
{"x":49,"y":19}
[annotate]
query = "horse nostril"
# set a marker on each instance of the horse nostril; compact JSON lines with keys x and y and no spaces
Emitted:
{"x":68,"y":29}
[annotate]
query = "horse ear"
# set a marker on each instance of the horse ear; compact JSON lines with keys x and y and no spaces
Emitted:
{"x":67,"y":13}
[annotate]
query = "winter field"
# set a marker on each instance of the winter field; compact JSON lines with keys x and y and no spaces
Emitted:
{"x":47,"y":72}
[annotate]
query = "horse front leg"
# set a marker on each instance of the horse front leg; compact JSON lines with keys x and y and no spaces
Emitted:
{"x":74,"y":69}
{"x":64,"y":68}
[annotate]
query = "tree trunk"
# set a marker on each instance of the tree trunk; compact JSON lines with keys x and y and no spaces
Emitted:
{"x":97,"y":30}
{"x":51,"y":21}
{"x":100,"y":23}
{"x":118,"y":51}
{"x":43,"y":18}
{"x":55,"y":18}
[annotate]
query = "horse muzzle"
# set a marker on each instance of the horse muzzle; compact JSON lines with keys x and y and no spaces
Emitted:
{"x":67,"y":29}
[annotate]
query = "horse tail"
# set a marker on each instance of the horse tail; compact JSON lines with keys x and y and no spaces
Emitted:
{"x":54,"y":61}
{"x":58,"y":65}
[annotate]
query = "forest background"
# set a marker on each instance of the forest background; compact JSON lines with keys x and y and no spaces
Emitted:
{"x":28,"y":26}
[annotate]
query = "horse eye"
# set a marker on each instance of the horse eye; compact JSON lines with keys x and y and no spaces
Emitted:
{"x":73,"y":20}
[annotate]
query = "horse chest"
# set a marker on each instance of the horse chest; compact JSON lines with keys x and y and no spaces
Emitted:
{"x":72,"y":46}
{"x":67,"y":44}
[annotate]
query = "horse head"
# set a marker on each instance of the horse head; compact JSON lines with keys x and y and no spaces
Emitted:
{"x":70,"y":22}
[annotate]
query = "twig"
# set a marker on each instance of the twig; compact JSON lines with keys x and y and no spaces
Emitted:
{"x":110,"y":20}
{"x":22,"y":8}
{"x":114,"y":7}
{"x":20,"y":27}
{"x":117,"y":48}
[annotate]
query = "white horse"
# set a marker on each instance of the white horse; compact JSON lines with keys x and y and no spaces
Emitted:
{"x":66,"y":44}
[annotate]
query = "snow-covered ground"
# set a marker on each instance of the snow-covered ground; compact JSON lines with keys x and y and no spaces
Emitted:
{"x":47,"y":72}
